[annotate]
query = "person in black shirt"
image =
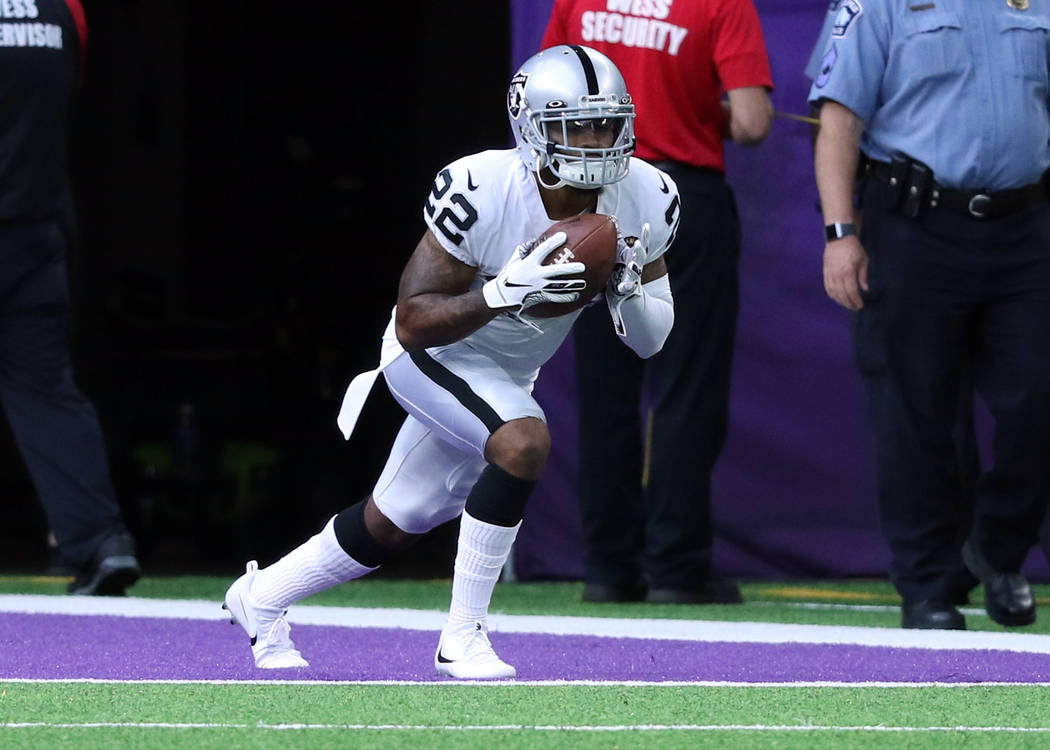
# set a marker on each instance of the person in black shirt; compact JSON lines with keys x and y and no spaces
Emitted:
{"x":42,"y":44}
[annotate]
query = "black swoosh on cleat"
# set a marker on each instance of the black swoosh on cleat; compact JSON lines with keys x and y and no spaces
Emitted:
{"x":470,"y":182}
{"x":442,"y":659}
{"x":663,"y":185}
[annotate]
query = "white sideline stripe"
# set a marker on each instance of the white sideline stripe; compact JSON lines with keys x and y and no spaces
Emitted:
{"x":432,"y":620}
{"x":526,"y":727}
{"x":530,"y":683}
{"x":820,"y":606}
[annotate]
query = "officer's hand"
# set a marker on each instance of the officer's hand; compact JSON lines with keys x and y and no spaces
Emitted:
{"x":846,"y":271}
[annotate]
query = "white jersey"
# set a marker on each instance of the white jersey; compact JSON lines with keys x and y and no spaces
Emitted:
{"x":481,"y":207}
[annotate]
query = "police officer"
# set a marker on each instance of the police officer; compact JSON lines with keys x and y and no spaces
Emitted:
{"x":948,"y":101}
{"x":42,"y":45}
{"x":968,"y":468}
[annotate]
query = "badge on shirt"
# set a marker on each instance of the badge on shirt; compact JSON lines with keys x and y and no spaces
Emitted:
{"x":826,"y":65}
{"x":849,"y":11}
{"x":1018,"y":4}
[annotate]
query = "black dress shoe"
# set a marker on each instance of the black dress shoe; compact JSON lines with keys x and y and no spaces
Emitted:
{"x":113,"y":568}
{"x":1008,"y":599}
{"x":1007,"y":596}
{"x":710,"y":591}
{"x":610,"y":593}
{"x":931,"y":614}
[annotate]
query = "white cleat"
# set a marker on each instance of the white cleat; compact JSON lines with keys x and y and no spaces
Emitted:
{"x":464,"y":652}
{"x":266,"y":626}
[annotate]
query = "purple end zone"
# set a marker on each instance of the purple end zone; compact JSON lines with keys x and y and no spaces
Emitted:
{"x":134,"y":648}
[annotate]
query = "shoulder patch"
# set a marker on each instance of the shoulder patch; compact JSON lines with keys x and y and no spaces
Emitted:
{"x":848,"y":12}
{"x":826,"y":65}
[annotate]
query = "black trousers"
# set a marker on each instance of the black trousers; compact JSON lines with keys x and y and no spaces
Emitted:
{"x":665,"y":529}
{"x":55,"y":427}
{"x":949,"y":296}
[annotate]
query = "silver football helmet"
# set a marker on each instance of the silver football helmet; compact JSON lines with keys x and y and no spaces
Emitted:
{"x":556,"y":94}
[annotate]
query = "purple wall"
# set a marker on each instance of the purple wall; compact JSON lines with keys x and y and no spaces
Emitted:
{"x":794,"y":492}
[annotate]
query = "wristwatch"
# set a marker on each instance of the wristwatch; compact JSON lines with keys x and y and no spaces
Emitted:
{"x":838,"y":230}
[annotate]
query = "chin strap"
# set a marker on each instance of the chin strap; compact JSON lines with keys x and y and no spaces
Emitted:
{"x":559,"y":182}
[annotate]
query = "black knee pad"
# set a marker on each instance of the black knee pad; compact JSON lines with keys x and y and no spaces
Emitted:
{"x":499,"y":498}
{"x":356,"y":540}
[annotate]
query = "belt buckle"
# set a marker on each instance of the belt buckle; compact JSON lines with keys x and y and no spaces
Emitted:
{"x":979,"y":205}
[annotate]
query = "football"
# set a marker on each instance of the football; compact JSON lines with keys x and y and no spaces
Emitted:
{"x":590,"y":239}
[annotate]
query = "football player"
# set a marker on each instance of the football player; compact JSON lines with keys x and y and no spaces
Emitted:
{"x":461,"y":352}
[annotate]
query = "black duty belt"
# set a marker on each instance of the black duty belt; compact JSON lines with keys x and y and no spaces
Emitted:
{"x":977,"y":204}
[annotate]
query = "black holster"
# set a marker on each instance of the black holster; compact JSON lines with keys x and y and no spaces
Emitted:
{"x":909,"y":186}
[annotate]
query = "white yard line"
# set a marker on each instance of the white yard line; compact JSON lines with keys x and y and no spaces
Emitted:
{"x":431,"y":620}
{"x":880,"y":728}
{"x":439,"y":684}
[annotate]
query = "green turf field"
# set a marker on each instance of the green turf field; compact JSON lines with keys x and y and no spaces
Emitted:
{"x":202,"y":715}
{"x":470,"y":716}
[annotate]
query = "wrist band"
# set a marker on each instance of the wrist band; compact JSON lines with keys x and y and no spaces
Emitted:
{"x":838,"y":230}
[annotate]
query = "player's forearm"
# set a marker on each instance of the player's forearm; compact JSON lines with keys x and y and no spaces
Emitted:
{"x":836,"y":154}
{"x":431,"y":319}
{"x":648,"y":317}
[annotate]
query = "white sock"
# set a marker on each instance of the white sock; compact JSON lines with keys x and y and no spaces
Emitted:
{"x":317,"y":564}
{"x":483,"y":549}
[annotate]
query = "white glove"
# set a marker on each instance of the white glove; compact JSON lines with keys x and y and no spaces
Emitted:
{"x":525,"y":281}
{"x":626,"y":279}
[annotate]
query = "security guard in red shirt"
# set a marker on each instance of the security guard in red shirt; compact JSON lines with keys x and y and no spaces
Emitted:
{"x":681,"y":57}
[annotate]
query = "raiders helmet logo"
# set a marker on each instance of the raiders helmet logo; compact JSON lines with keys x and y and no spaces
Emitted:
{"x":516,"y":94}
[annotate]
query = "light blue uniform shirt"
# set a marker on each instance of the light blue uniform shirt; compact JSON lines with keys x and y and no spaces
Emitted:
{"x":961,"y":85}
{"x":816,"y":57}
